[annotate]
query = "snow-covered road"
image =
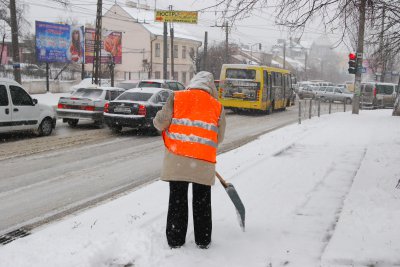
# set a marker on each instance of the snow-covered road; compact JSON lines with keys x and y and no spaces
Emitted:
{"x":46,"y":178}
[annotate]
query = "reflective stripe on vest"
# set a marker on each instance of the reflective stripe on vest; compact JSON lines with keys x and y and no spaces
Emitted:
{"x":191,"y":138}
{"x":200,"y":124}
{"x":193,"y":131}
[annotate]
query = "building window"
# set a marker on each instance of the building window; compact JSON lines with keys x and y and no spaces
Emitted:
{"x":158,"y":49}
{"x":157,"y":75}
{"x":183,"y":51}
{"x":176,"y":51}
{"x":184,"y":77}
{"x":176,"y":76}
{"x":167,"y":74}
{"x":191,"y":75}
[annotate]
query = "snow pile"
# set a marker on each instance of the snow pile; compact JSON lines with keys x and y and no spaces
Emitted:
{"x":49,"y":99}
{"x":317,"y":194}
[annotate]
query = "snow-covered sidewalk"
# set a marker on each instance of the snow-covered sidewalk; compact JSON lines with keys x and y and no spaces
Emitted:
{"x":322,"y":193}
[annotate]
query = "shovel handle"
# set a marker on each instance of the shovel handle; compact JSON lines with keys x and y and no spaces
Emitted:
{"x":223,"y":182}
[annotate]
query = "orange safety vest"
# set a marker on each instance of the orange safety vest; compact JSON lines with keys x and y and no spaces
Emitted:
{"x":193,"y":131}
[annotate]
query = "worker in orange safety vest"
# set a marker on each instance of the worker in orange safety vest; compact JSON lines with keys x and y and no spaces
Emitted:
{"x":192,"y":124}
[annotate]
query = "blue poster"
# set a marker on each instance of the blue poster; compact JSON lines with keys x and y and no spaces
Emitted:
{"x":59,"y":43}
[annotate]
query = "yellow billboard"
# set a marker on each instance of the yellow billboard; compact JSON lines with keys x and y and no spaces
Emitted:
{"x":176,"y":16}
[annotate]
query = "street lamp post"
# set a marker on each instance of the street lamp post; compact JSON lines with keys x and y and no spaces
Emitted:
{"x":251,"y":49}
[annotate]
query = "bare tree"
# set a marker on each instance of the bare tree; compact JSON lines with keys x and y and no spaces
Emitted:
{"x":217,"y":53}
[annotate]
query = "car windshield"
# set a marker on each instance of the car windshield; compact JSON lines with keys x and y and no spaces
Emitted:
{"x":135,"y":96}
{"x":150,"y":84}
{"x":127,"y":85}
{"x":86,"y":92}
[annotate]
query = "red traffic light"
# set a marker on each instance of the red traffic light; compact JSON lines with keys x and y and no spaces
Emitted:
{"x":352,"y":56}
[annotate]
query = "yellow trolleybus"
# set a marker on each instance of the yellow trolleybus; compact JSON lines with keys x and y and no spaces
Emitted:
{"x":250,"y":87}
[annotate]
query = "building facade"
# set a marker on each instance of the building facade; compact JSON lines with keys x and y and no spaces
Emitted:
{"x":142,"y":44}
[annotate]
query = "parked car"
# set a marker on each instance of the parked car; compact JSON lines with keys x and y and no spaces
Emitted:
{"x":135,"y":108}
{"x":20,"y":112}
{"x":332,"y":93}
{"x":128,"y":84}
{"x":320,"y":91}
{"x":378,"y":95}
{"x":300,"y":85}
{"x":308,"y":91}
{"x":167,"y":84}
{"x":86,"y":104}
{"x":342,"y":86}
{"x":386,"y":94}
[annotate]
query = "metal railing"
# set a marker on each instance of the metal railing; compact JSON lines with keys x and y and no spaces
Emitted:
{"x":308,"y":108}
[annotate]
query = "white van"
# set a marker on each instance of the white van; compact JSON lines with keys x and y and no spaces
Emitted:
{"x":19,"y":112}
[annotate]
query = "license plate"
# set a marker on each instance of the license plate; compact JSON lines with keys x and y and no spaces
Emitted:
{"x":122,"y":110}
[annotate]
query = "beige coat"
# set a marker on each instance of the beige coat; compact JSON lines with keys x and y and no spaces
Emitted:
{"x":181,"y":168}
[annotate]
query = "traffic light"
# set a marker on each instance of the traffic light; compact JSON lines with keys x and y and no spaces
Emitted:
{"x":352,"y":63}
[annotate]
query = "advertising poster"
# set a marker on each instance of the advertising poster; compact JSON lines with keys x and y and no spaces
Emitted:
{"x":176,"y":16}
{"x":76,"y":50}
{"x":59,"y":43}
{"x":52,"y":42}
{"x":111,"y":46}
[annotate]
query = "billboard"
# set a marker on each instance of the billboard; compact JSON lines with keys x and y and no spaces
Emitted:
{"x":111,"y":46}
{"x":176,"y":16}
{"x":59,"y":43}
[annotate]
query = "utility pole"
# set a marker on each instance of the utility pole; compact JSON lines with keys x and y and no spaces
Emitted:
{"x":226,"y":26}
{"x":284,"y":54}
{"x":172,"y":53}
{"x":14,"y":39}
{"x":83,"y":71}
{"x":205,"y":51}
{"x":165,"y":51}
{"x":226,"y":42}
{"x":360,"y":50}
{"x":97,"y":43}
{"x":381,"y":46}
{"x":2,"y":48}
{"x":305,"y":65}
{"x":171,"y":29}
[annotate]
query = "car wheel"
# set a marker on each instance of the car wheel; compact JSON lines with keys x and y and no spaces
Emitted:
{"x":46,"y":127}
{"x":348,"y":101}
{"x":73,"y":122}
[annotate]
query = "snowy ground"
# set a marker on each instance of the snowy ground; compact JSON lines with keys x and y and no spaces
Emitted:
{"x":322,"y":193}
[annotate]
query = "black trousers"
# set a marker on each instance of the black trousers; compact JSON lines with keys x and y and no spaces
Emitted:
{"x":177,"y":219}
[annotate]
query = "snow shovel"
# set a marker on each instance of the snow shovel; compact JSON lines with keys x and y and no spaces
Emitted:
{"x":230,"y":189}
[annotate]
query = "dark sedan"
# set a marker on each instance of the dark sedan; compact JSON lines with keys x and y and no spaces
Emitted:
{"x":135,"y":108}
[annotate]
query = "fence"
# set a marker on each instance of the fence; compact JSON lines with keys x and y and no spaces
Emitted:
{"x":311,"y":108}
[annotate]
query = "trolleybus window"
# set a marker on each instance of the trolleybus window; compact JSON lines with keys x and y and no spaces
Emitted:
{"x":240,"y":74}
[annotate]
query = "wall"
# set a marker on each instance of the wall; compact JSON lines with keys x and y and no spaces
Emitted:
{"x":135,"y":40}
{"x":39,"y":86}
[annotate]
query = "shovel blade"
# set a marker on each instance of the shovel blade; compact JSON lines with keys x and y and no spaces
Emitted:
{"x":240,"y":210}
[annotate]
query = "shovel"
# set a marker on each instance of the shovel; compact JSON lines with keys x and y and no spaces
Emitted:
{"x":230,"y":189}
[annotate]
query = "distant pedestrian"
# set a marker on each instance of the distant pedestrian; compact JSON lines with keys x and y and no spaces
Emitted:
{"x":192,"y":124}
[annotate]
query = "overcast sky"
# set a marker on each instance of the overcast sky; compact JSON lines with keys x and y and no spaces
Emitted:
{"x":258,"y":28}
